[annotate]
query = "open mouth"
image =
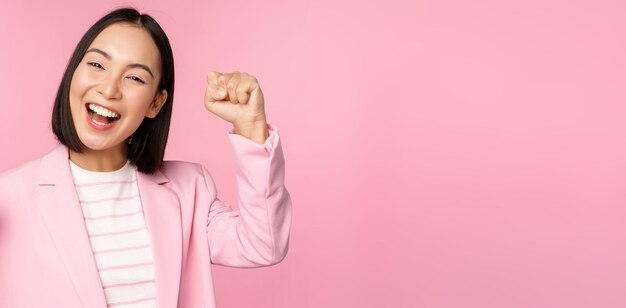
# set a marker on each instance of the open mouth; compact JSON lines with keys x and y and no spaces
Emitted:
{"x":101,"y":116}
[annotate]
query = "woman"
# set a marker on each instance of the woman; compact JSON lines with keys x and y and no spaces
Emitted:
{"x":102,"y":220}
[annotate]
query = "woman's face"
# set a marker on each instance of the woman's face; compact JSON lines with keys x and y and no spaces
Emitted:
{"x":115,"y":86}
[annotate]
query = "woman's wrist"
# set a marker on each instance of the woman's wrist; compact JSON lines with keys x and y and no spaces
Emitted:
{"x":256,"y":131}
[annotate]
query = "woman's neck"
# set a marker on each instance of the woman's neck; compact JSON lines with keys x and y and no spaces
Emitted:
{"x":100,"y":160}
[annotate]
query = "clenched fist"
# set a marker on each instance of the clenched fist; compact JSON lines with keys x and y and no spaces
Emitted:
{"x":237,"y":98}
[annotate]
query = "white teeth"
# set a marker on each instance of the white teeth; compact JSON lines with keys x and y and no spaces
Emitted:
{"x":103,"y":112}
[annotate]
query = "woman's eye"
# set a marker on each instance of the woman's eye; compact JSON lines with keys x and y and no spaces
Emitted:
{"x":95,"y":64}
{"x":135,"y":78}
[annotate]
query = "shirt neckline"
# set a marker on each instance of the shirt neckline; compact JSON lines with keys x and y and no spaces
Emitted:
{"x":123,"y":170}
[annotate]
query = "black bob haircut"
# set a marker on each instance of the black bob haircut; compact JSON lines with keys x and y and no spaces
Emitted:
{"x":149,"y":140}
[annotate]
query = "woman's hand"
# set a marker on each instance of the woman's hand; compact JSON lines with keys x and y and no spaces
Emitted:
{"x":237,"y":98}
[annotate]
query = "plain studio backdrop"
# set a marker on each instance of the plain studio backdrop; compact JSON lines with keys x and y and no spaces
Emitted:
{"x":439,"y":153}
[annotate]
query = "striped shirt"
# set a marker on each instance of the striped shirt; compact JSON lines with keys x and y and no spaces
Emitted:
{"x":118,"y":234}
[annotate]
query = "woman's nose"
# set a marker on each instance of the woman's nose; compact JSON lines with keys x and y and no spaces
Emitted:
{"x":109,"y":87}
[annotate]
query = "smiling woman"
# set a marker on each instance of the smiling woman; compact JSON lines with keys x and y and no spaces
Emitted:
{"x":103,"y":220}
{"x":126,"y":56}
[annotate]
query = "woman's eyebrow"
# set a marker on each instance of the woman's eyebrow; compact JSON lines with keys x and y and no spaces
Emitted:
{"x":133,"y":65}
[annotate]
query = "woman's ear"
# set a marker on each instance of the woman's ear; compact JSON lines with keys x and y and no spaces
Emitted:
{"x":157,"y":103}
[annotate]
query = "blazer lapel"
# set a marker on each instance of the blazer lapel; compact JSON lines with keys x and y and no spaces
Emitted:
{"x":60,"y":210}
{"x":161,"y":208}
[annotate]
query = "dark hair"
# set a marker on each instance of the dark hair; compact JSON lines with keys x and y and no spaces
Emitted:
{"x":149,"y":140}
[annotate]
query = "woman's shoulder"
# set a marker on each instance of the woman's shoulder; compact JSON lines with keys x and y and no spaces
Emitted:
{"x":182,"y":170}
{"x":19,"y":180}
{"x":24,"y":170}
{"x":182,"y":175}
{"x":170,"y":166}
{"x":31,"y":169}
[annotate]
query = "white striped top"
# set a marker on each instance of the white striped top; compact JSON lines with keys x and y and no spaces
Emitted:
{"x":118,"y":234}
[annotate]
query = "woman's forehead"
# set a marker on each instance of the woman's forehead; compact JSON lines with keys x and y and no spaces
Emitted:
{"x":128,"y":43}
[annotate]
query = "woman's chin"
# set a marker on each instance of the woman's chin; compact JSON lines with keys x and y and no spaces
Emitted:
{"x":98,"y":144}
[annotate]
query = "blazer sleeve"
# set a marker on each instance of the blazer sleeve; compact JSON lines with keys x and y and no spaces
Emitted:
{"x":257,"y":234}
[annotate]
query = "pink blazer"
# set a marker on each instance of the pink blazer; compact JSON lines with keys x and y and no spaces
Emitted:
{"x":45,"y":253}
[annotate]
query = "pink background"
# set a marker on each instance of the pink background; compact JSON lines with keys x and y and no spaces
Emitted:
{"x":440,"y":153}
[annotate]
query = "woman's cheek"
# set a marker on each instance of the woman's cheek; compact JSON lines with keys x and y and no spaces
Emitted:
{"x":80,"y":80}
{"x":141,"y":100}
